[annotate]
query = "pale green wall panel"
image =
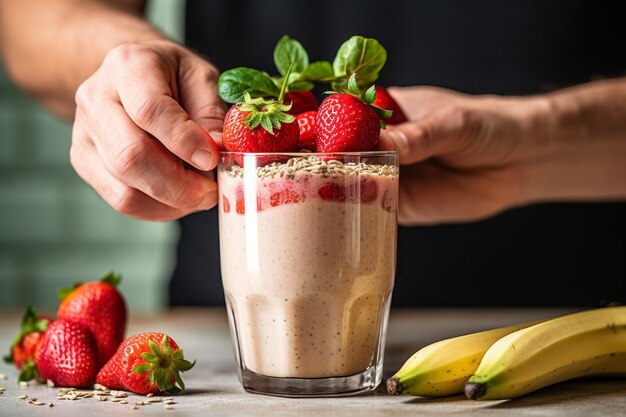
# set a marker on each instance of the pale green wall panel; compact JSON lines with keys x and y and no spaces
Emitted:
{"x":54,"y":229}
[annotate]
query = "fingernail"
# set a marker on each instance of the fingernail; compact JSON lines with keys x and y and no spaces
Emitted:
{"x":400,"y":139}
{"x":216,"y":135}
{"x":202,"y":159}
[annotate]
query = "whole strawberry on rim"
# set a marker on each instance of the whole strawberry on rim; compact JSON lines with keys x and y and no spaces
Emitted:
{"x":349,"y":121}
{"x":260,"y":125}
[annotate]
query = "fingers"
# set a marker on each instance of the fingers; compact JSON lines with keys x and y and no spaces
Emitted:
{"x":140,"y":162}
{"x":148,"y":98}
{"x":433,"y":194}
{"x":447,"y":130}
{"x":126,"y":200}
{"x":198,"y":95}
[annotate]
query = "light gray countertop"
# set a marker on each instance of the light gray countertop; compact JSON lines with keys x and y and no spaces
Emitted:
{"x":213,"y":388}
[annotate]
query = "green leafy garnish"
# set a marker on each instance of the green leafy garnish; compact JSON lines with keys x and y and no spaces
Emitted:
{"x":233,"y":83}
{"x":362,"y":56}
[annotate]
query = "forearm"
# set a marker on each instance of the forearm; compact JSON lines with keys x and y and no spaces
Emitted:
{"x":65,"y":42}
{"x":581,"y":153}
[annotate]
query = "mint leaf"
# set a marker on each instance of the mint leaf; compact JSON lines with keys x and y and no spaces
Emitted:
{"x":362,"y":56}
{"x":301,"y":86}
{"x":318,"y":71}
{"x":233,"y":83}
{"x":289,"y":51}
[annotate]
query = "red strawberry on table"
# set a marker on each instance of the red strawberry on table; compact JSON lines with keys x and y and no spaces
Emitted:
{"x":301,"y":101}
{"x":308,"y":135}
{"x":385,"y":101}
{"x":68,"y":355}
{"x":100,"y":307}
{"x":146,"y":363}
{"x":259,"y":125}
{"x":26,"y":344}
{"x":348,"y":122}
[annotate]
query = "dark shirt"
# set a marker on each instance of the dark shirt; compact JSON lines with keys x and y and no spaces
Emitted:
{"x":548,"y":255}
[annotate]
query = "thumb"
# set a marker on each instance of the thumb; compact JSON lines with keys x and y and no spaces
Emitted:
{"x":198,"y":92}
{"x":441,"y":132}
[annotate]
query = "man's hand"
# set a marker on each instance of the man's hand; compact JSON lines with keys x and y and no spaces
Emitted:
{"x":463,"y":155}
{"x":147,"y":128}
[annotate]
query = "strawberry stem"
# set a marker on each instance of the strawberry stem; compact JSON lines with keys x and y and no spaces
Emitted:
{"x":269,"y":114}
{"x":283,"y":87}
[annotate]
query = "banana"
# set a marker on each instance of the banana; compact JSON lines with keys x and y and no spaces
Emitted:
{"x":442,"y":368}
{"x":581,"y":344}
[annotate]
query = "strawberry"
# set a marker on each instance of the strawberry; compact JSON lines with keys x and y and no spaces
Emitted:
{"x":68,"y":355}
{"x":301,"y":101}
{"x":225,"y":204}
{"x":385,"y":101}
{"x":27,"y":343}
{"x":100,"y":307}
{"x":366,"y":193}
{"x":332,"y":192}
{"x":146,"y":363}
{"x":308,"y":135}
{"x":259,"y":125}
{"x":348,"y":122}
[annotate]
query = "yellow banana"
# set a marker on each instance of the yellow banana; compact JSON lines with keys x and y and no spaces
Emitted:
{"x":581,"y":344}
{"x":442,"y":368}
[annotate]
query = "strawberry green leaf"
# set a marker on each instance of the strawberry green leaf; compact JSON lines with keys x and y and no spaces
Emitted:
{"x":144,"y":368}
{"x":165,"y":346}
{"x":154,"y":348}
{"x":112,"y":278}
{"x":163,"y":366}
{"x":266,"y":113}
{"x":353,"y":86}
{"x":370,"y":95}
{"x":233,"y":83}
{"x":179,"y":380}
{"x":184,"y":365}
{"x":290,"y":51}
{"x":382,"y":112}
{"x":29,"y":371}
{"x":64,"y":292}
{"x":30,"y":323}
{"x":362,"y":56}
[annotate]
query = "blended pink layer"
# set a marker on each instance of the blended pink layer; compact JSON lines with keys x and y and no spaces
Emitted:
{"x":308,"y":274}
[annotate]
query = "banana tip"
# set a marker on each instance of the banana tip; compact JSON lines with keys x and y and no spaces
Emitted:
{"x":474,"y":390}
{"x":394,"y":387}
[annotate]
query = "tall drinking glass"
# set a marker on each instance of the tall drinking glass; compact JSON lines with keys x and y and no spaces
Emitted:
{"x":308,"y":254}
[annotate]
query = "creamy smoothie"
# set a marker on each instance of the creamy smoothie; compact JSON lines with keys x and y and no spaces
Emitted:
{"x":308,"y":261}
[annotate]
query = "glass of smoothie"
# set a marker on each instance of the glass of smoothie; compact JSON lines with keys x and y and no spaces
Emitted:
{"x":308,"y":257}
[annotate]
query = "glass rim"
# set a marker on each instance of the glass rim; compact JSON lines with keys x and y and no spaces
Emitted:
{"x":358,"y":153}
